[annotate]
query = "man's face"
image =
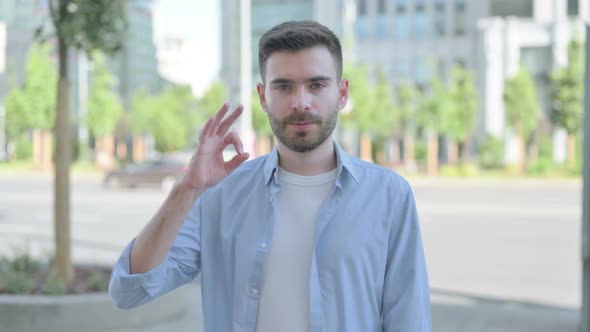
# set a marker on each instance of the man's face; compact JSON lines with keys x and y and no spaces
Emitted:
{"x":302,"y":97}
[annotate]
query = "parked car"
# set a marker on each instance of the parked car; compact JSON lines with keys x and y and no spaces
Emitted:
{"x":160,"y":172}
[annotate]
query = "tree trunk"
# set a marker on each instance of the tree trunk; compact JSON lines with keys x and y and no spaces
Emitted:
{"x":453,"y":151}
{"x":522,"y":153}
{"x":366,"y":147}
{"x":138,"y":148}
{"x":37,"y":148}
{"x":105,"y":152}
{"x":47,"y":149}
{"x":432,"y":163}
{"x":63,"y":262}
{"x":122,"y":150}
{"x":394,"y":152}
{"x":571,"y":149}
{"x":409,"y":161}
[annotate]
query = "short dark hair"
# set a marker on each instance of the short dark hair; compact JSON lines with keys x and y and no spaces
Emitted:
{"x":293,"y":36}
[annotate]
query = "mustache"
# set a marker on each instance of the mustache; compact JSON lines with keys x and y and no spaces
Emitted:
{"x":302,"y":117}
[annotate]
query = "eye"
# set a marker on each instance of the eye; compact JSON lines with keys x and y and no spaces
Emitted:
{"x":317,"y":85}
{"x":282,"y":87}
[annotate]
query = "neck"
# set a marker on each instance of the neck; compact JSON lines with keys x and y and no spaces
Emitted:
{"x":318,"y":161}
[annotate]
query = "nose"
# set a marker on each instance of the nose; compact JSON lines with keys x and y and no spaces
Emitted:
{"x":301,"y":100}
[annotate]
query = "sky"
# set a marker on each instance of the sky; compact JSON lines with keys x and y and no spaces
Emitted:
{"x":198,"y":21}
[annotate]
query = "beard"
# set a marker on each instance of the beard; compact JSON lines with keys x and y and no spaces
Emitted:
{"x":304,"y":140}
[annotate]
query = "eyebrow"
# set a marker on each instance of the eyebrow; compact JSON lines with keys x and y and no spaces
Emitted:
{"x":319,"y":78}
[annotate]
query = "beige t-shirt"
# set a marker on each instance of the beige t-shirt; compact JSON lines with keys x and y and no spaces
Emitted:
{"x":284,"y":300}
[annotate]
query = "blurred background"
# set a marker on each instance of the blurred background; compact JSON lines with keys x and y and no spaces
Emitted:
{"x":478,"y":103}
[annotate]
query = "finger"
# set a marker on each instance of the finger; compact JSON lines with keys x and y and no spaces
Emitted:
{"x":227,"y":123}
{"x":236,"y":161}
{"x":219,"y":116}
{"x":205,"y":131}
{"x":233,"y":138}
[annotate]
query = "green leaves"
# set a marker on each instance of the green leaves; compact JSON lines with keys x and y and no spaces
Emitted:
{"x":90,"y":25}
{"x":568,"y":90}
{"x":259,"y":118}
{"x":104,"y":106}
{"x":460,"y":118}
{"x":32,"y":106}
{"x":521,"y":104}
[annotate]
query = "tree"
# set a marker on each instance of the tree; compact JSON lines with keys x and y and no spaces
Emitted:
{"x":430,"y":115}
{"x":522,"y":109}
{"x":261,"y":126}
{"x":104,"y":111}
{"x":174,"y":118}
{"x":361,"y":99}
{"x":32,"y":106}
{"x":460,"y":121}
{"x":407,"y":103}
{"x":210,"y":102}
{"x":568,"y":96}
{"x":384,"y":114}
{"x":89,"y":26}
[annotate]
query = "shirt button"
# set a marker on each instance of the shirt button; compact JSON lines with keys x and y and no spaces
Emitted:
{"x":254,"y":291}
{"x":263,"y":245}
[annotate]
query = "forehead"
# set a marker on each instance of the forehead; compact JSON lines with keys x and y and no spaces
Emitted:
{"x":299,"y":65}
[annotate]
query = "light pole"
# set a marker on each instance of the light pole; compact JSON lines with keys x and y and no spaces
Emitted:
{"x":585,"y":324}
{"x":245,"y":123}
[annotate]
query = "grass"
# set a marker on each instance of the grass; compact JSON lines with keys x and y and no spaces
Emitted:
{"x":21,"y":167}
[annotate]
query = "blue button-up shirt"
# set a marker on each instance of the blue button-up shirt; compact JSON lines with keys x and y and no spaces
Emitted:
{"x":368,"y":271}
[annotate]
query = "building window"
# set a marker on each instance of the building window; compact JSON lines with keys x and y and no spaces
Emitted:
{"x":421,"y":25}
{"x":401,"y":31}
{"x":420,"y":5}
{"x":362,"y":28}
{"x":400,"y":5}
{"x":573,"y":7}
{"x":460,"y":18}
{"x":439,"y":5}
{"x":421,"y":70}
{"x":382,"y":32}
{"x":361,"y":7}
{"x":401,"y":69}
{"x":520,"y":8}
{"x":382,"y":7}
{"x":440,"y":24}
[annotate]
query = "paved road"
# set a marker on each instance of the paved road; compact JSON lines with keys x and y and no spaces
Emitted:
{"x":495,"y":248}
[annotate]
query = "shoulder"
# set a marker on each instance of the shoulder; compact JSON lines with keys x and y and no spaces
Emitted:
{"x":376,"y":175}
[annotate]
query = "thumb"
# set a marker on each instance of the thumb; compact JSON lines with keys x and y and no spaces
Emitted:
{"x":236,"y":161}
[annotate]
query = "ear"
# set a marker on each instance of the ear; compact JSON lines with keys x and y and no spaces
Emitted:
{"x":342,"y":94}
{"x":261,"y":95}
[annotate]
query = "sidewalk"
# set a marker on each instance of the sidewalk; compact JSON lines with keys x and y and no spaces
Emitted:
{"x":450,"y":313}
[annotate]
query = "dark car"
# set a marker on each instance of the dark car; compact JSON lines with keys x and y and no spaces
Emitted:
{"x":161,"y":172}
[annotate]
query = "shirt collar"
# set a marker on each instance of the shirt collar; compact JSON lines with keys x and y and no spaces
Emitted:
{"x":343,"y":162}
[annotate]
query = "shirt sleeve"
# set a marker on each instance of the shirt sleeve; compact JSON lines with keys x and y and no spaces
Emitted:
{"x":406,"y":293}
{"x":182,"y":265}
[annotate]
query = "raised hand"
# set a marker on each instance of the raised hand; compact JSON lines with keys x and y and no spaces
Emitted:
{"x":207,"y":166}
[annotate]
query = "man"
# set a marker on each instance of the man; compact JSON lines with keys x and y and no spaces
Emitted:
{"x":305,"y":238}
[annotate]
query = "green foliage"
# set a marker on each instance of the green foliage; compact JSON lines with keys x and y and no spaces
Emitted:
{"x":23,"y":147}
{"x":568,"y":90}
{"x":89,"y":25}
{"x":32,"y":106}
{"x":461,"y":112}
{"x":420,"y":151}
{"x":521,"y":104}
{"x":104,"y":106}
{"x":464,"y":170}
{"x":210,"y":103}
{"x":373,"y":110}
{"x":96,"y":282}
{"x":435,"y":108}
{"x":16,"y":275}
{"x":407,"y":97}
{"x":170,"y":117}
{"x":54,"y":286}
{"x":260,"y":118}
{"x":491,"y":153}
